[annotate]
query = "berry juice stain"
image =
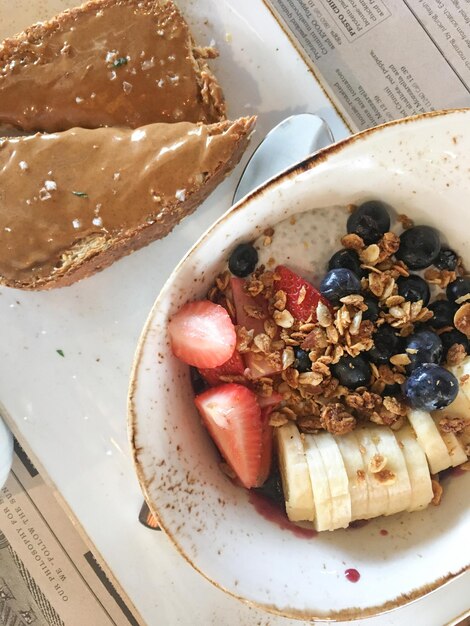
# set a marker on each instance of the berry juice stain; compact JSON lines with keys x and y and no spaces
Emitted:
{"x":274,"y":513}
{"x":352,"y":575}
{"x":451,"y":472}
{"x":358,"y":523}
{"x":384,"y":532}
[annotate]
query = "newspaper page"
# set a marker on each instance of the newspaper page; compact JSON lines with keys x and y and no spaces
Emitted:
{"x":380,"y":60}
{"x":49,"y":575}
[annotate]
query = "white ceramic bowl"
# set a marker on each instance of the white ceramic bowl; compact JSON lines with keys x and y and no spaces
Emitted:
{"x":420,"y":166}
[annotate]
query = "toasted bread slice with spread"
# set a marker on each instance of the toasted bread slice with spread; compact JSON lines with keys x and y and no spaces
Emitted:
{"x":72,"y":203}
{"x":107,"y":63}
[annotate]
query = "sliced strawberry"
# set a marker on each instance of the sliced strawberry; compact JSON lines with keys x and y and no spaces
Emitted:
{"x":270,"y":401}
{"x":245,"y":302}
{"x":202,"y":334}
{"x":302,"y":297}
{"x":232,"y":416}
{"x":233,"y":367}
{"x":258,"y":364}
{"x":266,"y":446}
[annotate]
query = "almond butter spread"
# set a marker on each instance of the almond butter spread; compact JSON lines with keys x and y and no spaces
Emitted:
{"x":62,"y":189}
{"x":113,"y":62}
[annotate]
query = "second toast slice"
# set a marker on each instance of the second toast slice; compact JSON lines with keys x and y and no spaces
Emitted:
{"x":107,"y":63}
{"x":74,"y":202}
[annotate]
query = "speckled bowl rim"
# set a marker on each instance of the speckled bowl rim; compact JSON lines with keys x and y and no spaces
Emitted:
{"x":349,"y":614}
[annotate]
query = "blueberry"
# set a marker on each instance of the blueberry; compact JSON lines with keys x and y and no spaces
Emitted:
{"x":352,"y":372}
{"x":338,"y":283}
{"x":424,"y":346}
{"x":430,"y":387}
{"x":386,"y":344}
{"x":450,"y":338}
{"x":348,"y":259}
{"x":447,"y":260}
{"x":443,"y":313}
{"x":419,"y":247}
{"x":372,"y":312}
{"x":392,"y":390}
{"x":413,"y":288}
{"x":458,"y":289}
{"x":370,"y":221}
{"x":272,"y":488}
{"x":302,"y":361}
{"x":243,"y":260}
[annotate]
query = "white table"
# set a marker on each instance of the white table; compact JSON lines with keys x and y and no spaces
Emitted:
{"x":71,"y":410}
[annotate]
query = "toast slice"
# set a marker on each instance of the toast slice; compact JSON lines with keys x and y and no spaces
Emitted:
{"x":107,"y":63}
{"x":72,"y":203}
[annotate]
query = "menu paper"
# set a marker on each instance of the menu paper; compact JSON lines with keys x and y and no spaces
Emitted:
{"x":49,"y":574}
{"x":381,"y":60}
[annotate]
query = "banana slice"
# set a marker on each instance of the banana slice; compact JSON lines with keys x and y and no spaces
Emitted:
{"x":430,"y":440}
{"x":337,"y":480}
{"x":418,"y":470}
{"x":460,"y":407}
{"x":454,"y":447}
{"x":355,"y":469}
{"x":395,"y":475}
{"x":320,"y":485}
{"x":378,"y":494}
{"x":295,"y":474}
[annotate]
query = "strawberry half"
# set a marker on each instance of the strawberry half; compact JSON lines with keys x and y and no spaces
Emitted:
{"x":258,"y":364}
{"x":233,"y":367}
{"x":244,"y":301}
{"x":270,"y":401}
{"x":232,"y":416}
{"x":202,"y":334}
{"x":301,"y":297}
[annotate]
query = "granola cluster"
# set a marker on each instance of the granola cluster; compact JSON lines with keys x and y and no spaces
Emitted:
{"x":315,"y":399}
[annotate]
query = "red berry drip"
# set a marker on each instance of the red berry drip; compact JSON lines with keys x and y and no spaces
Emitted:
{"x":358,"y":523}
{"x":384,"y":532}
{"x":272,"y":512}
{"x":352,"y":575}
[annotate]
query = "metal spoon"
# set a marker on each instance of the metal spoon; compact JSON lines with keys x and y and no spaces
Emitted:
{"x":290,"y":141}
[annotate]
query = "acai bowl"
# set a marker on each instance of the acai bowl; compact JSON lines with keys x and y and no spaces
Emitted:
{"x":417,"y":167}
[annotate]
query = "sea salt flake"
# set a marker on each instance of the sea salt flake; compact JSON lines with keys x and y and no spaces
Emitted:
{"x":127,"y":87}
{"x":76,"y":223}
{"x":50,"y":185}
{"x":148,"y":64}
{"x":79,"y":100}
{"x":160,"y":82}
{"x":111,"y":56}
{"x":180,"y":195}
{"x":23,"y":166}
{"x":44,"y":194}
{"x":97,"y":221}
